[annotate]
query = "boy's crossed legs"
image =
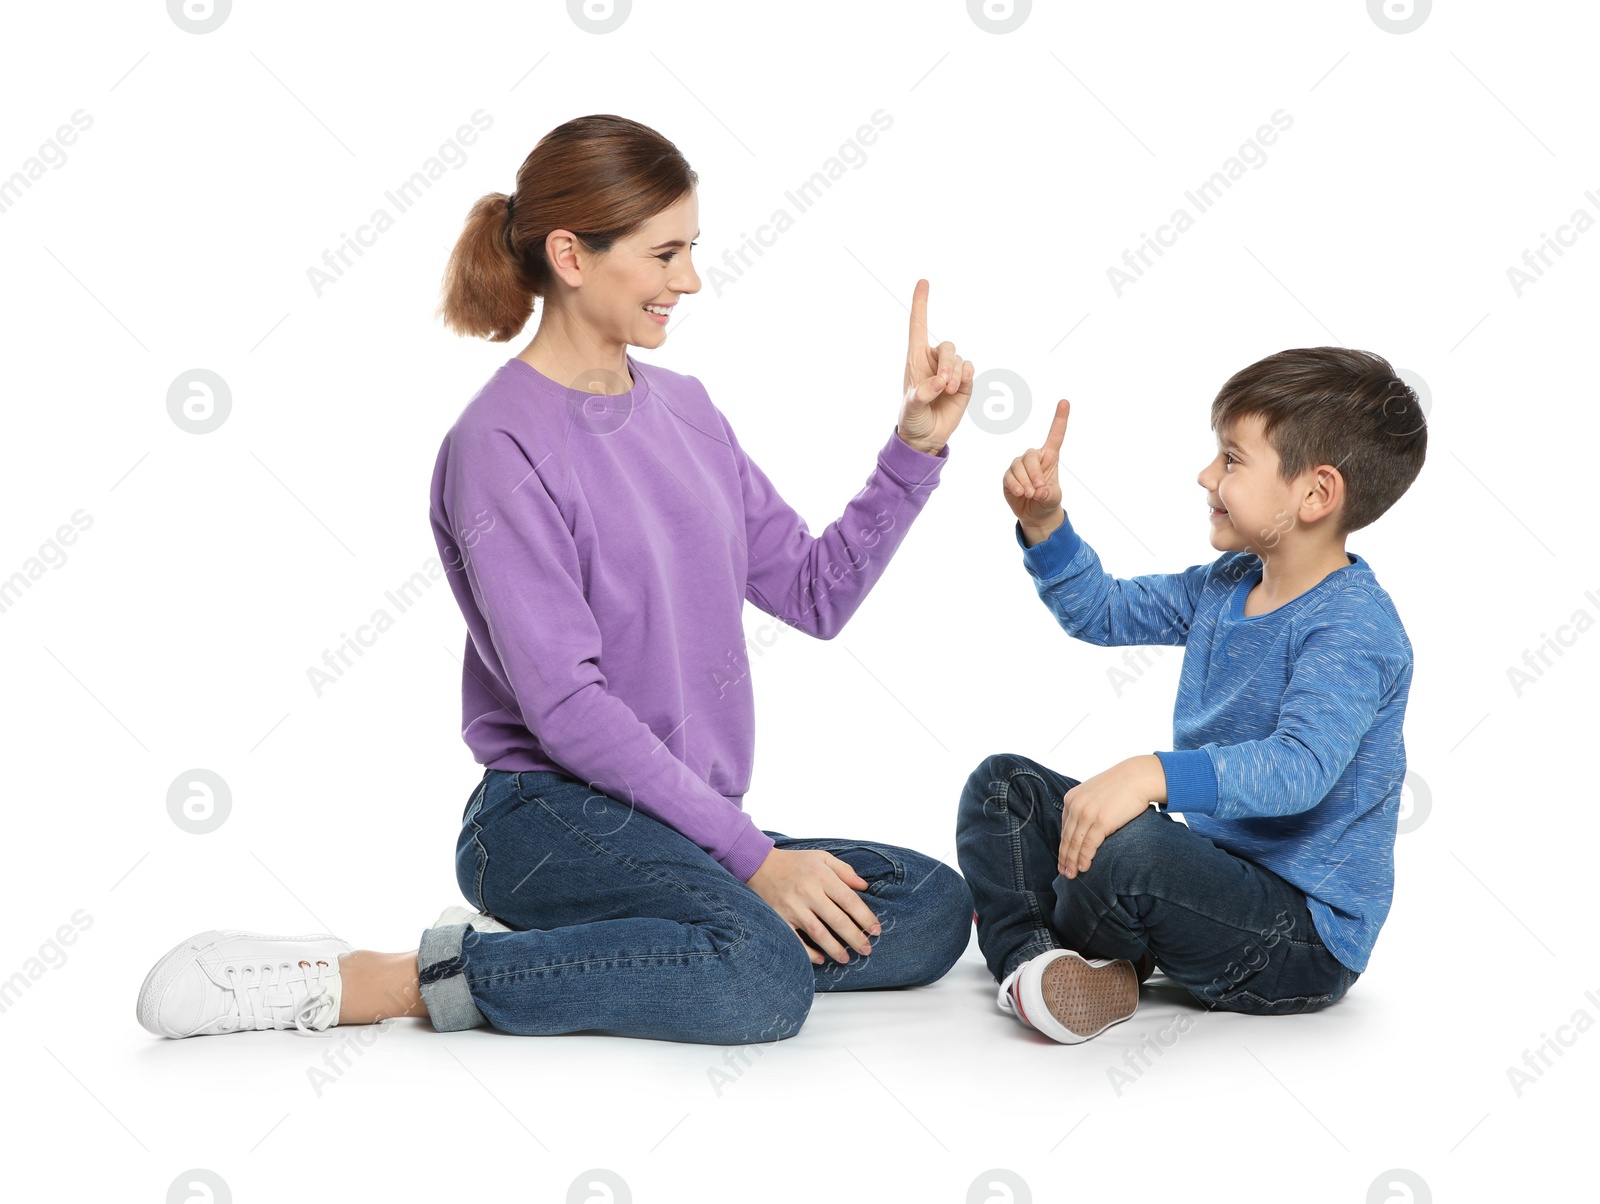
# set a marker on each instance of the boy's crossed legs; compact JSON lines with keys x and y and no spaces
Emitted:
{"x":1232,"y":933}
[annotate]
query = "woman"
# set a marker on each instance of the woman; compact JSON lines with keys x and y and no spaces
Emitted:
{"x":602,"y":540}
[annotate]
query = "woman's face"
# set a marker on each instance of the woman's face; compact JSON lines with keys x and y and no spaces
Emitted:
{"x":651,"y":267}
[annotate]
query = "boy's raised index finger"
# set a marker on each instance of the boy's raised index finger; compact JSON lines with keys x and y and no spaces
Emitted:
{"x":1058,"y":426}
{"x":919,"y":317}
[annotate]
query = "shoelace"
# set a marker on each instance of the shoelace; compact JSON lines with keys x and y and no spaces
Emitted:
{"x":1004,"y":996}
{"x":311,"y":1014}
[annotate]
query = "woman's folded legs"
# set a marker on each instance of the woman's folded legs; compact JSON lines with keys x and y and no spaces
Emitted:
{"x":624,"y":926}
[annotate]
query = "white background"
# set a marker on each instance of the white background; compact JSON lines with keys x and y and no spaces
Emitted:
{"x":176,"y":233}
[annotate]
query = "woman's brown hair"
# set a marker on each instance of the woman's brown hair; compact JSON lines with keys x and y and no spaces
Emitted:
{"x":602,"y":177}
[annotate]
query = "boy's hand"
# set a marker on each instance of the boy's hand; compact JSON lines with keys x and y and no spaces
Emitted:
{"x":1031,"y":486}
{"x":1096,"y":808}
{"x":938,"y":384}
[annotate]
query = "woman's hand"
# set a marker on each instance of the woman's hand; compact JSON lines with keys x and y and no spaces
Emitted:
{"x":938,"y":384}
{"x":816,"y":895}
{"x":1033,"y":490}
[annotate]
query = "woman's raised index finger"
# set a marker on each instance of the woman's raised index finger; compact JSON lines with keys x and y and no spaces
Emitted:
{"x":918,"y":339}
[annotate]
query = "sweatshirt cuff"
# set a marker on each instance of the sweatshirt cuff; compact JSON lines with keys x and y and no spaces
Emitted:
{"x":909,"y":467}
{"x":747,"y":852}
{"x":1191,"y":781}
{"x":1049,"y":558}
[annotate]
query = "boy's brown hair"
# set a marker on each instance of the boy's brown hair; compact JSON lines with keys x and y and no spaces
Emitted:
{"x":1334,"y":405}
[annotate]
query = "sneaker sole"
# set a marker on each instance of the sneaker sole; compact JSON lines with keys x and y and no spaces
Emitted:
{"x":1074,"y":999}
{"x":173,"y":963}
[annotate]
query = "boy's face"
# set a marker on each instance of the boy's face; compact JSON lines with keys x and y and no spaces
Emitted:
{"x":1252,"y":506}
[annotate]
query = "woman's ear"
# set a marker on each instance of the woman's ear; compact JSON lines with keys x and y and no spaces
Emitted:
{"x":561,"y":253}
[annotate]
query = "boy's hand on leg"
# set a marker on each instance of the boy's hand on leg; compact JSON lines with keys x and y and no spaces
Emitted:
{"x":1097,"y":807}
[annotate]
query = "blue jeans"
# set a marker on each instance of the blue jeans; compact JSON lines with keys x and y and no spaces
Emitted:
{"x":1232,"y":933}
{"x":625,"y":926}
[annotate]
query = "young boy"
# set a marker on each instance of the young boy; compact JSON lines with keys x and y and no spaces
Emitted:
{"x":1287,"y":757}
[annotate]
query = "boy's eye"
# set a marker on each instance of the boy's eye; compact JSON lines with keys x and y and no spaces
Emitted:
{"x":1227,"y":459}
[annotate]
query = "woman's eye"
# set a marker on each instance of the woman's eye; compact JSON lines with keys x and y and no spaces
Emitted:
{"x":667,"y":258}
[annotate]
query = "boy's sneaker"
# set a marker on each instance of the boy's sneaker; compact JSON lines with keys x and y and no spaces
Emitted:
{"x":465,"y":915}
{"x":1068,"y":997}
{"x":229,"y":981}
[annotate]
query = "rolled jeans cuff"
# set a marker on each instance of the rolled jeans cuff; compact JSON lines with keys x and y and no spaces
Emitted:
{"x":441,"y":965}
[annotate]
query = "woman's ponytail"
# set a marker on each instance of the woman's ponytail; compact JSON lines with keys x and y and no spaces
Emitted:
{"x":486,"y":291}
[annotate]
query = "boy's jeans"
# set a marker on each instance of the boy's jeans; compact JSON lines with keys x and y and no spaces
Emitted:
{"x":627,"y":927}
{"x":1234,"y":934}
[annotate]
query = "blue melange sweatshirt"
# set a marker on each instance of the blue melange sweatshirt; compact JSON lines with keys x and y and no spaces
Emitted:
{"x":1286,"y":732}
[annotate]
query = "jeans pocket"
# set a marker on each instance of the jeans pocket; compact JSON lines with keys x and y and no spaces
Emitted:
{"x":475,"y":801}
{"x":1255,"y":1005}
{"x":878,"y":864}
{"x":536,"y":785}
{"x":582,"y":806}
{"x":472,"y":855}
{"x":472,"y":861}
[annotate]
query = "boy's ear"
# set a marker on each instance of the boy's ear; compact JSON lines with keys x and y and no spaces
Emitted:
{"x":1324,"y":493}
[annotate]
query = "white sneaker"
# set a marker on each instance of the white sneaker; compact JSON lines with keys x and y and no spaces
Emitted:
{"x":229,"y":981}
{"x":465,"y":915}
{"x":1068,"y":997}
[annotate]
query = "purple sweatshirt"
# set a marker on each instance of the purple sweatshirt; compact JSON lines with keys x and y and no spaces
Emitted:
{"x":601,"y":550}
